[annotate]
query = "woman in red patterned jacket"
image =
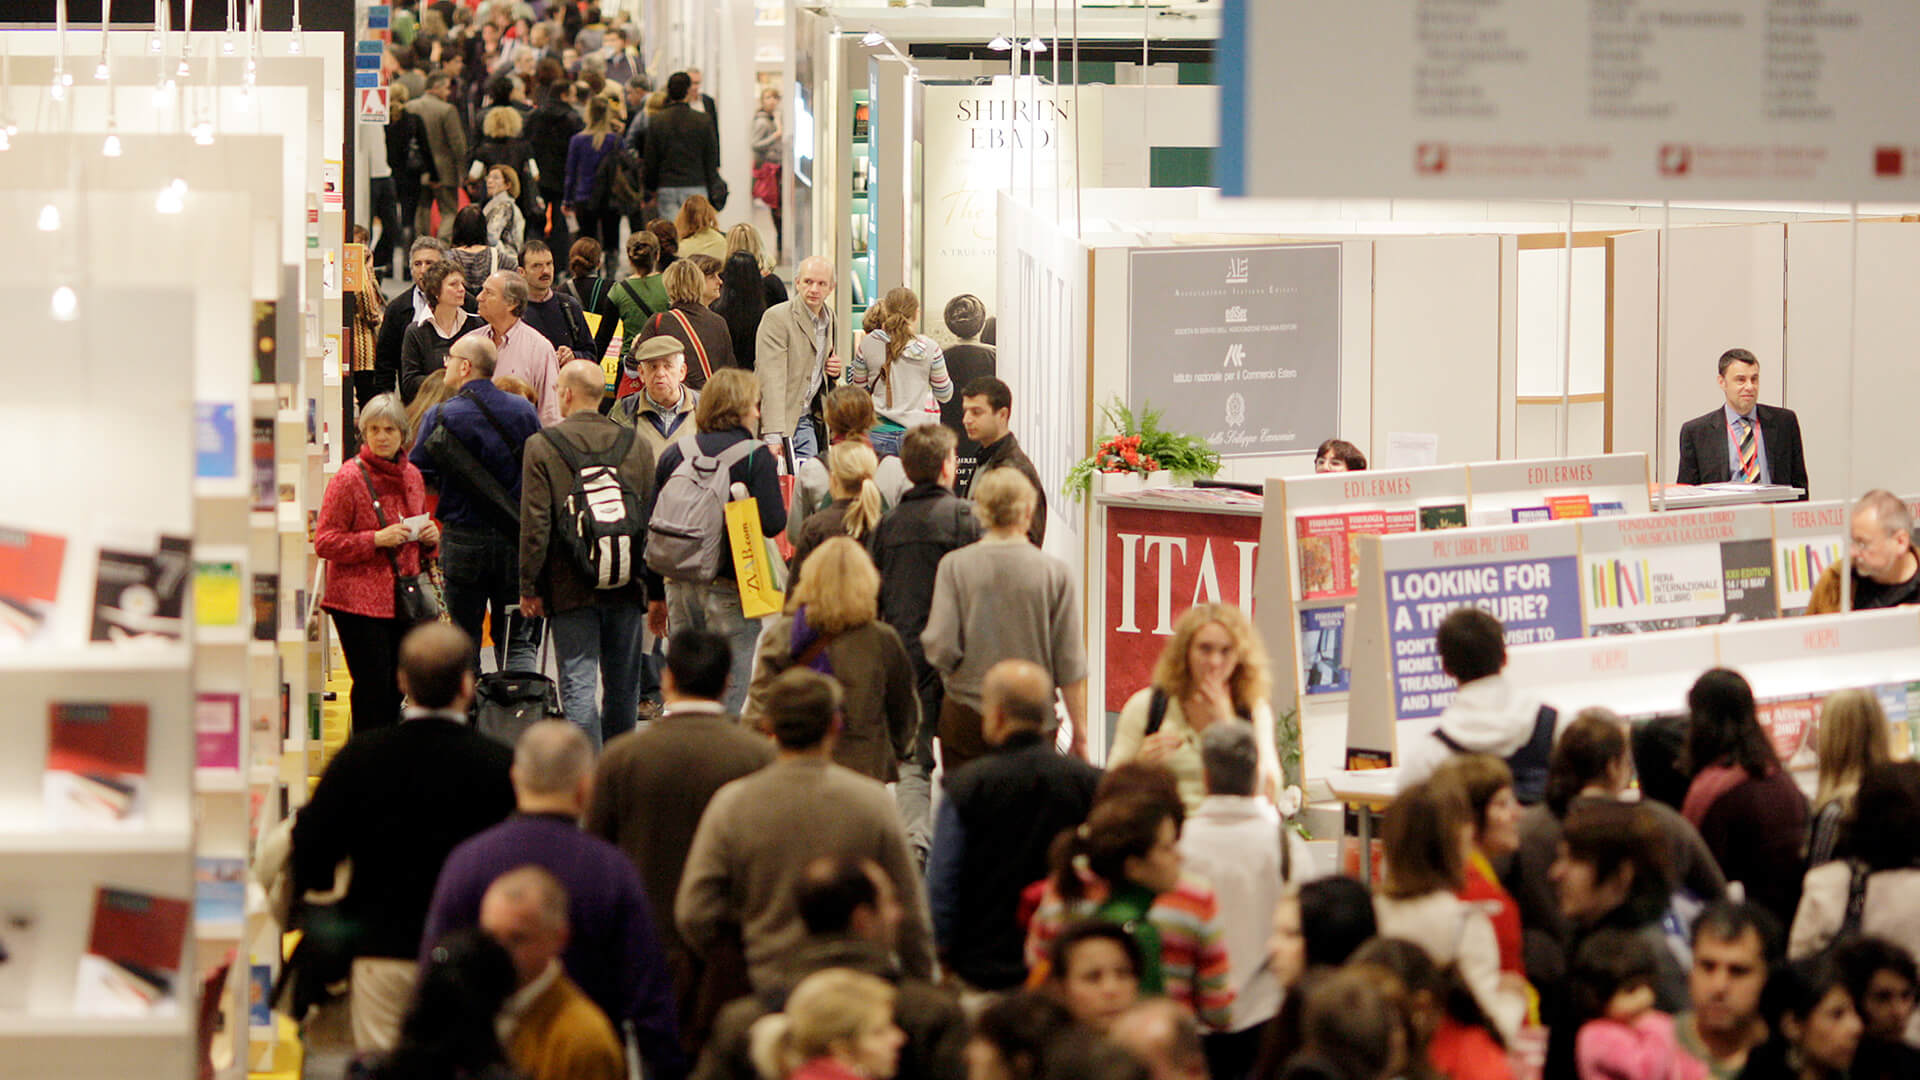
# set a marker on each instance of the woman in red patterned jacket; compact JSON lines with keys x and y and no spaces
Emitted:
{"x":366,"y":543}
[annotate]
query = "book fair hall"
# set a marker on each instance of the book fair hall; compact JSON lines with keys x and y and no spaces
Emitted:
{"x":959,"y":540}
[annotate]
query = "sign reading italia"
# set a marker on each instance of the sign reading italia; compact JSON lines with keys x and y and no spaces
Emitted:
{"x":1159,"y":564}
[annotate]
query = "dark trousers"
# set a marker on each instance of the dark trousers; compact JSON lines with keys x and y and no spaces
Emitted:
{"x":555,"y":224}
{"x":482,"y":568}
{"x":372,"y":649}
{"x":385,"y":201}
{"x":1231,"y":1055}
{"x":408,"y":189}
{"x":960,"y":737}
{"x":603,"y":226}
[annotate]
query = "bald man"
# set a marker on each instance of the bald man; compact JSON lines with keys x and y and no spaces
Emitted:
{"x":613,"y":952}
{"x":796,"y":356}
{"x":1000,"y":815}
{"x":395,"y":801}
{"x":553,"y":1031}
{"x":596,"y":626}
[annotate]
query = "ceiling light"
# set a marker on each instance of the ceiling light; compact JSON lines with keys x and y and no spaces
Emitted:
{"x":293,"y":44}
{"x":172,"y":198}
{"x":100,"y":71}
{"x":873,"y":39}
{"x":1001,"y":43}
{"x":6,"y":140}
{"x":58,"y":91}
{"x":156,"y":43}
{"x":226,"y":45}
{"x":183,"y":70}
{"x":1035,"y":45}
{"x":49,"y":218}
{"x":110,"y":147}
{"x":65,"y":304}
{"x":203,"y":134}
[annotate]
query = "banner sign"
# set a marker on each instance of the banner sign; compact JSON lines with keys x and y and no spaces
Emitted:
{"x":1159,"y":564}
{"x":1239,"y":346}
{"x":1675,"y":570}
{"x":1648,"y":99}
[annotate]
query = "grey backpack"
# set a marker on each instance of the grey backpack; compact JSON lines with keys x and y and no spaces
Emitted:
{"x":689,"y":526}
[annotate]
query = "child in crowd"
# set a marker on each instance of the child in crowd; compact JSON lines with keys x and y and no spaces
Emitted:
{"x":1627,"y":1038}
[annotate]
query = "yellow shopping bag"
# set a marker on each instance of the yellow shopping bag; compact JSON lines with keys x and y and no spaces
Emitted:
{"x":759,"y":595}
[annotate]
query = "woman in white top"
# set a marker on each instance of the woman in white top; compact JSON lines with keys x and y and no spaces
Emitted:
{"x":905,"y":371}
{"x":1213,"y":668}
{"x":1427,"y":839}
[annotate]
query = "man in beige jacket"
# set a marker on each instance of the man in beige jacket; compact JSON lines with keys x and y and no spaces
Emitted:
{"x":447,"y":141}
{"x":796,"y":358}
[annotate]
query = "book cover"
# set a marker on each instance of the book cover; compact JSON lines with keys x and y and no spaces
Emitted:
{"x":19,"y":933}
{"x":96,"y":763}
{"x":1747,"y":581}
{"x":30,"y":565}
{"x":141,"y":595}
{"x":259,"y":996}
{"x":313,"y":422}
{"x":1322,"y":650}
{"x":266,"y":316}
{"x":1565,"y":507}
{"x":216,"y":730}
{"x":1449,"y":516}
{"x":1790,"y":724}
{"x":132,"y":963}
{"x":263,"y":494}
{"x":216,"y":444}
{"x":266,"y":606}
{"x":216,"y":592}
{"x":219,"y":889}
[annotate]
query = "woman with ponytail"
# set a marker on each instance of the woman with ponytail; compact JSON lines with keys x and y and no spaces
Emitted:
{"x":837,"y":1025}
{"x":904,"y":370}
{"x":849,"y":414}
{"x":832,"y":625}
{"x":1112,"y":868}
{"x":856,"y":505}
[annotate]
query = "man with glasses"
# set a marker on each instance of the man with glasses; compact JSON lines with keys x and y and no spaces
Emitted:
{"x":402,"y":312}
{"x":1886,"y":572}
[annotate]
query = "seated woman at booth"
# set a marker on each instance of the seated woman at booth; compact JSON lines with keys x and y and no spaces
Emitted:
{"x":1338,"y":455}
{"x":1213,"y":668}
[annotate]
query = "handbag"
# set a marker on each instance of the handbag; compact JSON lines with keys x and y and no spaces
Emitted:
{"x":413,"y":599}
{"x":507,"y":703}
{"x":766,"y":183}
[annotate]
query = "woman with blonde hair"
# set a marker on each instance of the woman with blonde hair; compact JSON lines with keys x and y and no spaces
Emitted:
{"x":1853,"y":738}
{"x":1213,"y":668}
{"x":506,"y":222}
{"x":698,"y":225}
{"x":848,"y":411}
{"x":502,"y":143}
{"x":838,"y":1025}
{"x":708,"y":342}
{"x":832,"y":625}
{"x":744,"y":237}
{"x":585,"y":153}
{"x":855,"y":509}
{"x":904,"y":369}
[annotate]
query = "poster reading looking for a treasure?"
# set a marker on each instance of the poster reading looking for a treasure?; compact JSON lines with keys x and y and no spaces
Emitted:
{"x":1238,"y":345}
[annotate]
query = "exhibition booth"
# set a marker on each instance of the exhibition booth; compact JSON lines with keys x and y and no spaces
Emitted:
{"x":176,"y":202}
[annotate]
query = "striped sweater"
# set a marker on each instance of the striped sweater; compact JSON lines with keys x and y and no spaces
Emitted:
{"x":907,"y":393}
{"x":1193,"y":956}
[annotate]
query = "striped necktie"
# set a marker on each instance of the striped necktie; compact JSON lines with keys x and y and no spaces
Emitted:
{"x":1749,"y":461}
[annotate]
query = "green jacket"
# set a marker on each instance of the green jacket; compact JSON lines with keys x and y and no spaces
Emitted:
{"x":633,"y":318}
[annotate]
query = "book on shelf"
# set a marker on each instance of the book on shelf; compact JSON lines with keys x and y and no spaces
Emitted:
{"x":263,"y":495}
{"x":216,"y":444}
{"x":19,"y":934}
{"x":266,"y":316}
{"x":217,"y":585}
{"x":141,"y":595}
{"x":266,"y":606}
{"x":219,"y":889}
{"x":132,"y":963}
{"x":96,"y":764}
{"x":216,"y":730}
{"x":260,"y":996}
{"x":30,"y":564}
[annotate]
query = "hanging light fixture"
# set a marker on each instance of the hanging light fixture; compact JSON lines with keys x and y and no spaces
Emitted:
{"x":110,"y":146}
{"x":293,"y":43}
{"x":1001,"y":43}
{"x":1035,"y":45}
{"x":49,"y":220}
{"x":172,"y":198}
{"x":61,"y":80}
{"x":66,"y":304}
{"x":103,"y":70}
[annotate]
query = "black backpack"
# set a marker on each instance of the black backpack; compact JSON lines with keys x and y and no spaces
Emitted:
{"x":602,"y":519}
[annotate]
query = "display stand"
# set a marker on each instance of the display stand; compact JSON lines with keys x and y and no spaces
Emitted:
{"x":1518,"y":492}
{"x":1702,"y":496}
{"x":1807,"y":538}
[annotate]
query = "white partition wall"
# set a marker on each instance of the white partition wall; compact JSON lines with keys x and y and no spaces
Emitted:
{"x":1436,"y":342}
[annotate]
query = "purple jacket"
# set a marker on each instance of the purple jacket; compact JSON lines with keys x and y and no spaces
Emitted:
{"x":583,"y":162}
{"x":613,"y":955}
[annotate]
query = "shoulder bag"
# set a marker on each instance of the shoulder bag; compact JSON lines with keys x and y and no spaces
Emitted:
{"x":413,"y":599}
{"x":699,"y":347}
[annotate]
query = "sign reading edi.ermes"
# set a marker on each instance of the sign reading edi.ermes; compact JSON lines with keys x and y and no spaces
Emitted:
{"x":1239,"y":346}
{"x":1528,"y":579}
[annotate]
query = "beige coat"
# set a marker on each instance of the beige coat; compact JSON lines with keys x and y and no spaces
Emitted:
{"x":785,"y":361}
{"x":446,"y":139}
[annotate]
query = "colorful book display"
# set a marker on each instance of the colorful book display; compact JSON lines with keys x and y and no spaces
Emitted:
{"x":216,"y":730}
{"x":96,"y":774}
{"x":132,"y":963}
{"x":1677,"y":570}
{"x":1808,"y":538}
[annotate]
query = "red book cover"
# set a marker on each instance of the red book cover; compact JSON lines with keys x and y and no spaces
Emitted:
{"x":96,"y":760}
{"x":140,"y":935}
{"x":29,"y":581}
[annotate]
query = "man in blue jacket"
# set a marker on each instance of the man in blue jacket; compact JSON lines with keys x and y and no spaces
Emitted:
{"x":484,"y":427}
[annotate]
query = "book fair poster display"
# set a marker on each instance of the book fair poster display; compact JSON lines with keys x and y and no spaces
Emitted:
{"x":1678,"y":570}
{"x":1808,"y":538}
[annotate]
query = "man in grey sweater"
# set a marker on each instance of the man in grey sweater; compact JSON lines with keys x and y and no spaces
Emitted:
{"x":1002,"y":599}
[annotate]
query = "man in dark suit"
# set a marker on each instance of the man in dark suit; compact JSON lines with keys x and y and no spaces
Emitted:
{"x":1743,"y":440}
{"x":402,"y":312}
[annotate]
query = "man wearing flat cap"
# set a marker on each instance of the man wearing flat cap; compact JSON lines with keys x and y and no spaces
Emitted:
{"x":661,"y":411}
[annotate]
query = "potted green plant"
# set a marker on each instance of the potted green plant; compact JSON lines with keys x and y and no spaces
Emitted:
{"x":1137,"y":447}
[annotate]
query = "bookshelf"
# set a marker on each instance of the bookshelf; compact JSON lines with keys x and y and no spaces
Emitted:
{"x":863,"y":235}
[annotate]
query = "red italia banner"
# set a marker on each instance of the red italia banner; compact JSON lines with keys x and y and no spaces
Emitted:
{"x":1159,"y":564}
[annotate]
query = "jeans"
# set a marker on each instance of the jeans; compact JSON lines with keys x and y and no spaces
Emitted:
{"x":371,"y":646}
{"x":804,"y":442}
{"x":886,"y":440}
{"x":672,"y":197}
{"x":483,"y":570}
{"x":715,"y":607}
{"x":914,"y":792}
{"x":599,"y":648}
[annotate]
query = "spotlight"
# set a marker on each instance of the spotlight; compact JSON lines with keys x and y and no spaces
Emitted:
{"x":6,"y":140}
{"x":65,"y":304}
{"x":155,"y":43}
{"x":58,"y":91}
{"x":1035,"y":45}
{"x":203,"y":134}
{"x":49,"y":218}
{"x":293,"y":44}
{"x":100,"y":71}
{"x":1001,"y":43}
{"x":873,"y":39}
{"x":172,"y":198}
{"x":110,"y":147}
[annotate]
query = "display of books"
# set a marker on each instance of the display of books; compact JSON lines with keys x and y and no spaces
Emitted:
{"x":216,"y":730}
{"x":263,"y":465}
{"x":216,"y":592}
{"x":30,"y":565}
{"x":216,"y":444}
{"x":266,"y":316}
{"x":96,"y":764}
{"x":266,"y":606}
{"x":141,"y":595}
{"x":219,"y":889}
{"x":132,"y":963}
